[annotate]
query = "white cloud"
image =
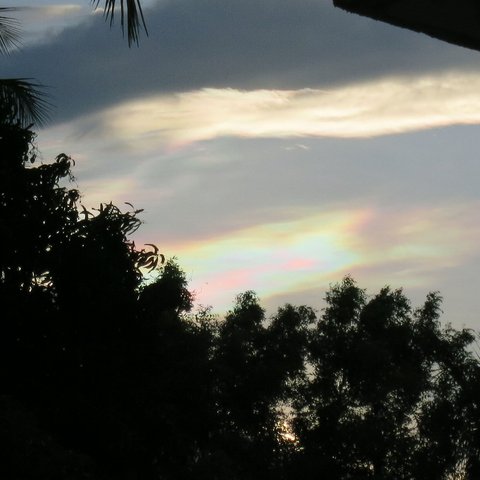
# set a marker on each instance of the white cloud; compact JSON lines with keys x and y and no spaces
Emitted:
{"x":44,"y":22}
{"x":381,"y":107}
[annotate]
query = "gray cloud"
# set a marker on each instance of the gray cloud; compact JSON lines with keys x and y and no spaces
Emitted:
{"x":231,"y":183}
{"x":226,"y":43}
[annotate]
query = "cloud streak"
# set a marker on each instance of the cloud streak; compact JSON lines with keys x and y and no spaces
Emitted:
{"x":384,"y":107}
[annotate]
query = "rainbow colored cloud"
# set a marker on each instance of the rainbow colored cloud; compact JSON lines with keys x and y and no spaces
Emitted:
{"x":316,"y":249}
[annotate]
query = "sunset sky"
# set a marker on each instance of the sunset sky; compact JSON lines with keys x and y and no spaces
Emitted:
{"x":275,"y":145}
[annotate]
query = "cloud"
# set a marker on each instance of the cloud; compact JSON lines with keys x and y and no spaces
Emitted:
{"x":42,"y":23}
{"x":310,"y":250}
{"x":272,"y":257}
{"x":272,"y":44}
{"x":396,"y":209}
{"x":382,"y":107}
{"x":232,"y":182}
{"x":224,"y":125}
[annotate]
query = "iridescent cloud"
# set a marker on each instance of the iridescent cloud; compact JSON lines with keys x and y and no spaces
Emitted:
{"x":367,"y":237}
{"x":313,"y":250}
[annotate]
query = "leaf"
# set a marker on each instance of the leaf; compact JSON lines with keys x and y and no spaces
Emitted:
{"x":23,"y":101}
{"x":134,"y":17}
{"x":155,"y":248}
{"x":9,"y":32}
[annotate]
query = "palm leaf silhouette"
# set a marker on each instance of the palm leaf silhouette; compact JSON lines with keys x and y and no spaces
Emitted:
{"x":131,"y":11}
{"x":23,"y":101}
{"x":9,"y":31}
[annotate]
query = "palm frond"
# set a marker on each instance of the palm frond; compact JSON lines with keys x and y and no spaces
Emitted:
{"x":131,"y":11}
{"x":23,"y":101}
{"x":9,"y":31}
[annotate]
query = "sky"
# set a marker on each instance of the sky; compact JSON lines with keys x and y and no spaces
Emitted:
{"x":274,"y":145}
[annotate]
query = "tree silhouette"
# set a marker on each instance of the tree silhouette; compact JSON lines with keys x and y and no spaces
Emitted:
{"x":383,"y":397}
{"x":69,"y":282}
{"x":106,"y":373}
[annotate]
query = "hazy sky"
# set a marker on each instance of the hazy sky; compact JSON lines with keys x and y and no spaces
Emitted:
{"x":275,"y":145}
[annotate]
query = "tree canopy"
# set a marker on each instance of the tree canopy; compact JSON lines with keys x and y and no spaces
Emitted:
{"x":106,"y":375}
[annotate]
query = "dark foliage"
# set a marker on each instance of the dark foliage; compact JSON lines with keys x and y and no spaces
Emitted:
{"x":106,"y":376}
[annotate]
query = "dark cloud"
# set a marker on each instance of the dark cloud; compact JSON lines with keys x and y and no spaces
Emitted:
{"x":226,"y":43}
